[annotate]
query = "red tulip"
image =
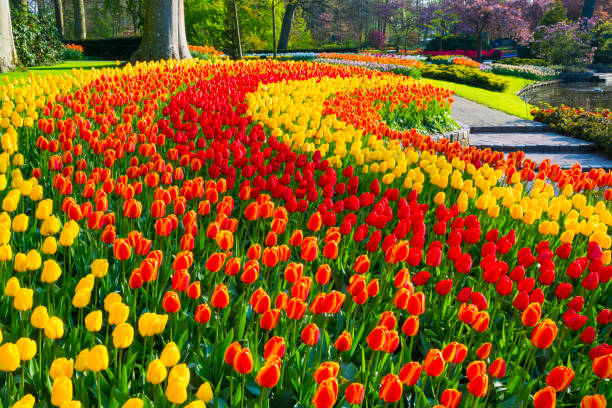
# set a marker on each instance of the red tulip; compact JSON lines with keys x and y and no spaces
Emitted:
{"x":545,"y":398}
{"x":434,"y":363}
{"x":354,"y":393}
{"x":593,"y":401}
{"x":450,"y":398}
{"x":560,"y":378}
{"x":171,"y":302}
{"x":243,"y":361}
{"x":390,"y":388}
{"x":202,"y":314}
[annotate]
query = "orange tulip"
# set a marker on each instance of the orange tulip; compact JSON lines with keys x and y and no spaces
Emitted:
{"x":454,"y":353}
{"x":411,"y":326}
{"x":268,"y":375}
{"x":326,"y":370}
{"x":215,"y":262}
{"x":434,"y":363}
{"x":122,"y":249}
{"x":532,"y":314}
{"x":410,"y":373}
{"x":593,"y":401}
{"x":310,"y":334}
{"x":544,"y":334}
{"x":344,"y":342}
{"x":498,"y":368}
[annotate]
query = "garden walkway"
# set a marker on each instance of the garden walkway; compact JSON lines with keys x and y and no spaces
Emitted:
{"x":507,"y":133}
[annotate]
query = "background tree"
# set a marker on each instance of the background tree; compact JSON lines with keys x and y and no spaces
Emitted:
{"x":555,"y":14}
{"x":80,"y":23}
{"x":59,"y":16}
{"x":588,"y":8}
{"x":8,"y":53}
{"x":163,"y":34}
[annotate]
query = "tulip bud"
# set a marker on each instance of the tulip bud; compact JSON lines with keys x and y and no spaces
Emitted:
{"x":171,"y":355}
{"x":62,"y":391}
{"x":156,"y":372}
{"x":97,"y":359}
{"x":9,"y":357}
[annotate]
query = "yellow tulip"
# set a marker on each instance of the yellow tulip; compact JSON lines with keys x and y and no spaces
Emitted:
{"x":118,"y":313}
{"x":171,"y":355}
{"x":97,"y":359}
{"x":39,"y":317}
{"x":205,"y":392}
{"x":133,"y":403}
{"x":176,"y":392}
{"x":50,"y":226}
{"x":54,"y":328}
{"x":24,"y":299}
{"x":33,"y":260}
{"x":81,"y":361}
{"x":51,"y":271}
{"x":93,"y":321}
{"x":49,"y":246}
{"x":81,"y":298}
{"x":179,"y":373}
{"x":61,"y":367}
{"x":156,"y":372}
{"x":99,"y":268}
{"x":62,"y":391}
{"x":27,"y":401}
{"x":196,"y":404}
{"x":123,"y":335}
{"x":20,"y":223}
{"x":9,"y":357}
{"x":12,"y":287}
{"x":110,"y":300}
{"x":20,"y":263}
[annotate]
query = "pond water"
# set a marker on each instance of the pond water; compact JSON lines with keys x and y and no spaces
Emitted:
{"x":587,"y":95}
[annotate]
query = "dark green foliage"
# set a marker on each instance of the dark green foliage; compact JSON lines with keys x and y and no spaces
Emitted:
{"x":36,"y":39}
{"x":554,"y":14}
{"x":465,"y":75}
{"x":603,"y":42}
{"x":454,"y":42}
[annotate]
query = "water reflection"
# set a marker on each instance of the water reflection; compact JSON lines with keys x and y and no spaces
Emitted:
{"x":587,"y":95}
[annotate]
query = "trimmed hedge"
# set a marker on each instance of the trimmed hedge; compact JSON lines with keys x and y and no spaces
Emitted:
{"x":465,"y":75}
{"x":525,"y":61}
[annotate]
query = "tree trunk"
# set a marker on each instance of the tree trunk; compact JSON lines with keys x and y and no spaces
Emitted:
{"x":283,"y":40}
{"x":59,"y":17}
{"x":238,"y":41}
{"x":479,"y":47}
{"x":161,"y":34}
{"x":80,"y":25}
{"x":274,"y":28}
{"x":588,"y":8}
{"x":182,"y":36}
{"x":8,"y":54}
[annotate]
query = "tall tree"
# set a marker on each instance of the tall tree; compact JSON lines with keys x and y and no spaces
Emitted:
{"x":283,"y":39}
{"x":588,"y":8}
{"x":8,"y":54}
{"x":80,"y":24}
{"x":163,"y":34}
{"x":59,"y":16}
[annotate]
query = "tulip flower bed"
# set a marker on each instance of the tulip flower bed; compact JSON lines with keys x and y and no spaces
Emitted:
{"x":576,"y":122}
{"x":266,"y":234}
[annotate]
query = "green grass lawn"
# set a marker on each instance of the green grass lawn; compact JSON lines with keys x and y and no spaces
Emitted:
{"x":61,"y":68}
{"x":506,"y":101}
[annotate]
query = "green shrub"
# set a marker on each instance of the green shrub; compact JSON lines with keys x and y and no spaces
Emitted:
{"x":465,"y":75}
{"x":36,"y":39}
{"x":595,"y":127}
